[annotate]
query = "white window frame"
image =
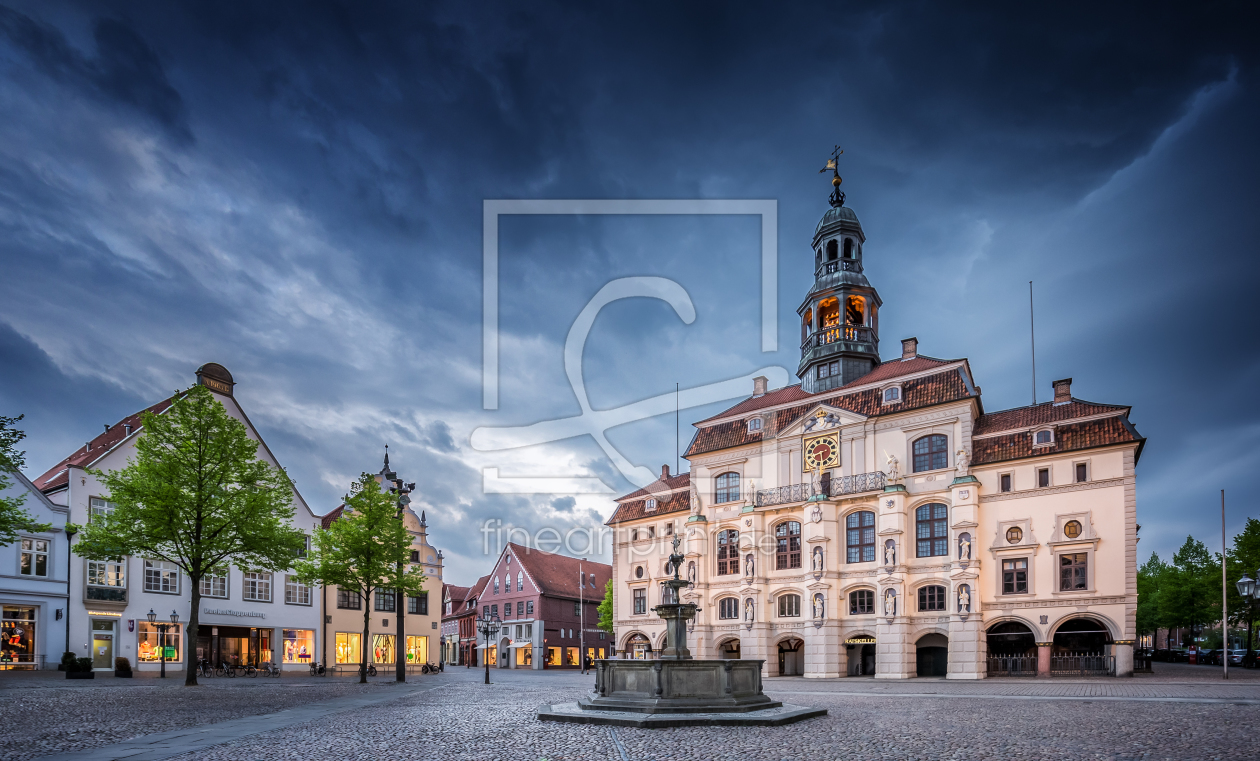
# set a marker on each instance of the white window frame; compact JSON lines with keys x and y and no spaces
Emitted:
{"x":883,"y":394}
{"x":779,"y":605}
{"x":1044,"y":429}
{"x":1089,"y":475}
{"x":649,"y":504}
{"x":754,"y":424}
{"x":121,"y":574}
{"x":30,"y":547}
{"x":210,"y":581}
{"x":1006,"y":474}
{"x":1049,"y":476}
{"x":161,"y":572}
{"x":254,"y":584}
{"x":99,"y":506}
{"x":295,"y":592}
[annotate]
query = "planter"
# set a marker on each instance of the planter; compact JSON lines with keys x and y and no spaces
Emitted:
{"x":80,"y":675}
{"x":123,"y":674}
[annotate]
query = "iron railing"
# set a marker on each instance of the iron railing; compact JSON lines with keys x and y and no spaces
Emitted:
{"x":1142,"y":663}
{"x":1082,"y":664}
{"x":1014,"y":665}
{"x":845,"y":265}
{"x":858,"y":333}
{"x":835,"y":487}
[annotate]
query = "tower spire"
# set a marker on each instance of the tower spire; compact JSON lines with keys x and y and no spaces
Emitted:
{"x":387,"y":457}
{"x":837,"y":197}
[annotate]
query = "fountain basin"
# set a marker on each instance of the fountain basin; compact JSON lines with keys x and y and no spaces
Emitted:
{"x":677,"y":686}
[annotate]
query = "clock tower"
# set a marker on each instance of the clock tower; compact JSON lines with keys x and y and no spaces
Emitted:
{"x":840,"y":314}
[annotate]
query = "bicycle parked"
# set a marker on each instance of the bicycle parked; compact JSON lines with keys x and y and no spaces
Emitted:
{"x":204,"y":668}
{"x":318,"y":669}
{"x":428,"y":668}
{"x":225,"y":669}
{"x":269,"y":669}
{"x":250,"y":671}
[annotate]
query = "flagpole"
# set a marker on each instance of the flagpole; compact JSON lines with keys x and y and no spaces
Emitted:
{"x":1224,"y":597}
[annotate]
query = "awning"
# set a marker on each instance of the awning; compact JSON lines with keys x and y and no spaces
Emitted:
{"x":521,"y":643}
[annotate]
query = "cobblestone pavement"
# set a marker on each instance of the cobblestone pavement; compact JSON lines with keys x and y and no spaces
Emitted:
{"x":464,"y":719}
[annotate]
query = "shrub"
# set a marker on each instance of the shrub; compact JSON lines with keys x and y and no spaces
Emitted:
{"x":122,"y":665}
{"x":67,"y":662}
{"x":83,"y":664}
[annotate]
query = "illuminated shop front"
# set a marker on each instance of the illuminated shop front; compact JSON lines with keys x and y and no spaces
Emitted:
{"x":149,"y":641}
{"x":348,"y":647}
{"x":17,"y":632}
{"x":254,"y":646}
{"x":417,"y":649}
{"x":299,"y":645}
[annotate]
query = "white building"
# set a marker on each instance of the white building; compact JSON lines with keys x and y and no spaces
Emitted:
{"x":33,"y":584}
{"x":245,"y":616}
{"x":875,"y":519}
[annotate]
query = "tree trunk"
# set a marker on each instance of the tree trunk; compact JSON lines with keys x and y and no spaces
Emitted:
{"x":190,"y":634}
{"x":367,"y":621}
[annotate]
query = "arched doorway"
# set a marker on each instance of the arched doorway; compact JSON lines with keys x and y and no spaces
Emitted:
{"x":861,"y":655}
{"x":1081,"y":636}
{"x":729,"y":650}
{"x":504,"y":656}
{"x":932,"y":655}
{"x":791,"y":657}
{"x":1012,"y":650}
{"x":639,"y":647}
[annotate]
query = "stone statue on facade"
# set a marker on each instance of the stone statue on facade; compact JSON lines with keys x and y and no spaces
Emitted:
{"x":695,"y":499}
{"x":961,"y":461}
{"x":749,"y":610}
{"x":818,"y":560}
{"x":818,"y":606}
{"x":964,"y":547}
{"x":964,"y":599}
{"x":893,"y":473}
{"x":748,"y":565}
{"x":691,"y":573}
{"x":890,"y":603}
{"x":890,"y":553}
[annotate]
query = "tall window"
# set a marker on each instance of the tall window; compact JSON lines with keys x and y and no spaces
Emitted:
{"x":1082,"y":473}
{"x":385,"y":599}
{"x":99,"y":506}
{"x":861,"y":602}
{"x":931,"y":531}
{"x":214,"y":584}
{"x":529,"y":608}
{"x":640,"y":601}
{"x":931,"y":598}
{"x":520,"y":581}
{"x":1073,"y":571}
{"x":161,"y":576}
{"x":418,"y":606}
{"x":787,"y":545}
{"x":728,"y":608}
{"x":34,"y":557}
{"x":861,"y":537}
{"x":348,"y":599}
{"x":1043,"y":477}
{"x":1005,"y":481}
{"x":727,"y":488}
{"x":295,"y":592}
{"x":789,"y":606}
{"x":931,"y":453}
{"x":1015,"y":576}
{"x":728,"y":552}
{"x":258,"y":587}
{"x":106,"y":580}
{"x":496,"y":585}
{"x":520,"y":608}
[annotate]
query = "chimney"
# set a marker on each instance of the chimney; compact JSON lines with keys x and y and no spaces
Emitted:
{"x":1062,"y":391}
{"x":909,"y":348}
{"x":759,"y":385}
{"x":127,"y":428}
{"x":664,"y":472}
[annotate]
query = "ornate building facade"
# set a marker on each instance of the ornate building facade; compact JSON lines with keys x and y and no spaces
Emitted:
{"x":876,"y":520}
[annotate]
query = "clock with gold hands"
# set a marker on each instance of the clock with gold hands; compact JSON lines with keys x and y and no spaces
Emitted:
{"x":822,"y":452}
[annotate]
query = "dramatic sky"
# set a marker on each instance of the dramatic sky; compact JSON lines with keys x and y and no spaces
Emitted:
{"x":296,"y":192}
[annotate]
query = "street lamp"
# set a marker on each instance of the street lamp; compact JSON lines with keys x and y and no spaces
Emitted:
{"x":162,"y":627}
{"x":1249,"y":590}
{"x":489,"y":627}
{"x":400,"y":599}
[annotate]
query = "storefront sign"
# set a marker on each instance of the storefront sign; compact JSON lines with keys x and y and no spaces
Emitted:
{"x":104,"y":613}
{"x":237,"y":613}
{"x":860,"y":641}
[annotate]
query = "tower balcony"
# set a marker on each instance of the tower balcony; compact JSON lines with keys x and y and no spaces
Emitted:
{"x":857,"y":334}
{"x":838,"y":486}
{"x":838,"y":265}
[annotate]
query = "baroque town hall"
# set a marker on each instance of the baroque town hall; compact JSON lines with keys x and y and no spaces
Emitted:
{"x":875,"y":519}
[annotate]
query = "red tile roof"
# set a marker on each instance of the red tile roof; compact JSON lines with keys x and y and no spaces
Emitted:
{"x":788,"y":394}
{"x":634,"y":504}
{"x":916,"y":393}
{"x":1071,"y":437}
{"x":58,"y":476}
{"x":332,"y":516}
{"x":1046,"y":412}
{"x":557,"y":575}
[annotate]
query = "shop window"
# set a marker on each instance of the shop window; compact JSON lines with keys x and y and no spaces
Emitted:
{"x":299,"y":645}
{"x":348,"y":599}
{"x":1073,"y":571}
{"x":787,"y":545}
{"x":728,"y":608}
{"x":215,"y":583}
{"x":1043,"y":477}
{"x":349,"y":647}
{"x":417,"y":649}
{"x":161,"y":576}
{"x":98,"y":506}
{"x":728,"y":552}
{"x":931,"y":531}
{"x":257,"y":586}
{"x":1015,"y":576}
{"x":295,"y":592}
{"x":861,"y":602}
{"x":640,"y":601}
{"x":34,"y":557}
{"x":789,"y":606}
{"x":860,"y":537}
{"x":149,"y":640}
{"x":931,"y":453}
{"x":17,"y":637}
{"x":1004,"y":482}
{"x":931,"y":598}
{"x":106,"y":581}
{"x":727,"y":488}
{"x":382,"y":648}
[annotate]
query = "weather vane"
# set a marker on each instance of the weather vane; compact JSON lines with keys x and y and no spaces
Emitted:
{"x":837,"y":198}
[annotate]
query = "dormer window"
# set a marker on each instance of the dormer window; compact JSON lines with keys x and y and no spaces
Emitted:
{"x":1044,"y":438}
{"x":892,"y":395}
{"x":754,"y":425}
{"x":650,"y":504}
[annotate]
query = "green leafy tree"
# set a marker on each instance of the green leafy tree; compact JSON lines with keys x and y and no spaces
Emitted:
{"x":362,"y":551}
{"x":1191,"y":596}
{"x":196,"y":495}
{"x":13,"y":518}
{"x":606,"y":609}
{"x":1150,"y":577}
{"x":1244,"y":558}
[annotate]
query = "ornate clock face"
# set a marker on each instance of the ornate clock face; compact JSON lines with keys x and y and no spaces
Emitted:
{"x":822,"y":452}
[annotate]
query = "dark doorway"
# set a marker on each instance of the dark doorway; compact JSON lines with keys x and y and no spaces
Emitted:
{"x":861,"y":660}
{"x":729,"y":650}
{"x":791,"y":658}
{"x":932,"y":655}
{"x":1011,"y":639}
{"x":1082,"y":636}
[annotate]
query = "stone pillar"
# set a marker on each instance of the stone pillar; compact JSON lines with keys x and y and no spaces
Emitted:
{"x":823,"y":651}
{"x":1043,"y":658}
{"x":1123,"y":652}
{"x":968,"y":648}
{"x":895,"y":656}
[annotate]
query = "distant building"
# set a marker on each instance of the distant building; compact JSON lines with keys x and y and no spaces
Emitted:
{"x":875,"y":519}
{"x":33,"y":593}
{"x":461,"y":616}
{"x":452,"y":598}
{"x":246,"y":616}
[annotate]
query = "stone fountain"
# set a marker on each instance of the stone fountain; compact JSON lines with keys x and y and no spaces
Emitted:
{"x":675,"y":689}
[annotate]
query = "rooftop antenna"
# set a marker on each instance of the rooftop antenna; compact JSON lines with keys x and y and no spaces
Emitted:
{"x":677,"y":435}
{"x":1032,"y":333}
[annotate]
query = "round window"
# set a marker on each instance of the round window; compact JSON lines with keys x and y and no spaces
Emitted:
{"x":1014,"y":534}
{"x":1072,"y":529}
{"x":638,"y":572}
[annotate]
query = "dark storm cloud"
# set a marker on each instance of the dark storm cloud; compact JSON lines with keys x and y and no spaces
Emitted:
{"x":296,"y":192}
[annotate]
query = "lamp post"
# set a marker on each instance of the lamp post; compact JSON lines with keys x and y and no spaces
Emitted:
{"x":489,"y":627}
{"x":400,"y":599}
{"x":1249,"y":590}
{"x":162,"y":627}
